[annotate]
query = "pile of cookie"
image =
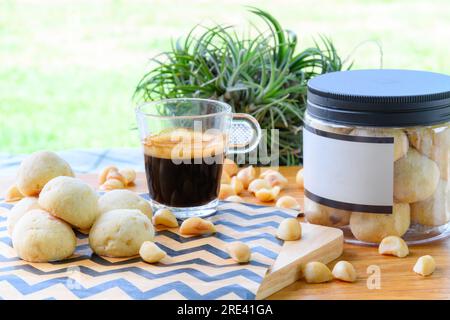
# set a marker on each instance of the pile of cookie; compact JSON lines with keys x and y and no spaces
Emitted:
{"x":52,"y":203}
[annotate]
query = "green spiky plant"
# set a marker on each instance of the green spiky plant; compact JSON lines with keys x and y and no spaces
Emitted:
{"x":263,"y":75}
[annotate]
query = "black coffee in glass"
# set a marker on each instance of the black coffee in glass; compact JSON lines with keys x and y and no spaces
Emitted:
{"x":183,"y":168}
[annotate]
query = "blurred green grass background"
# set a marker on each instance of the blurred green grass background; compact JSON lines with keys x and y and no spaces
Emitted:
{"x":68,"y":68}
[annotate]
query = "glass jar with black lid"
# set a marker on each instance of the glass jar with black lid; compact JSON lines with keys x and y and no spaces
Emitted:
{"x":376,"y":154}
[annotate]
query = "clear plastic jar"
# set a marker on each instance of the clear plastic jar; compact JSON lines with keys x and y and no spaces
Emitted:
{"x":376,"y":154}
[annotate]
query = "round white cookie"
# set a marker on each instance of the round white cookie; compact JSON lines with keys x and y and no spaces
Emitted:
{"x":317,"y":213}
{"x":40,"y":237}
{"x":415,"y":177}
{"x":19,"y":209}
{"x":373,"y":227}
{"x":71,"y":200}
{"x":435,"y":210}
{"x":39,"y":168}
{"x":120,"y":233}
{"x":124,"y":199}
{"x":401,"y":143}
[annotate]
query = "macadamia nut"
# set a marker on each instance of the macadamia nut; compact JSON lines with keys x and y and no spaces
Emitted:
{"x":289,"y":230}
{"x":267,"y":195}
{"x":129,"y":175}
{"x":166,"y":218}
{"x":225,"y":191}
{"x":394,"y":246}
{"x":13,"y":194}
{"x":246,"y":175}
{"x":373,"y":227}
{"x":258,"y":184}
{"x":112,"y":184}
{"x":230,"y":167}
{"x":105,"y":172}
{"x":344,"y":271}
{"x":326,"y":216}
{"x":115,"y":175}
{"x":415,"y":177}
{"x":274,"y":178}
{"x":197,"y":226}
{"x":236,"y":185}
{"x":150,"y":252}
{"x":288,"y":202}
{"x":239,"y":252}
{"x":299,"y":179}
{"x":317,"y":272}
{"x":425,"y":265}
{"x":111,"y":178}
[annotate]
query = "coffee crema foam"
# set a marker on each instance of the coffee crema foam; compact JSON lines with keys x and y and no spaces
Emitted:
{"x":181,"y":143}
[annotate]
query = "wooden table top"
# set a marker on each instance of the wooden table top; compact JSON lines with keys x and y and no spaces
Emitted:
{"x":397,"y":280}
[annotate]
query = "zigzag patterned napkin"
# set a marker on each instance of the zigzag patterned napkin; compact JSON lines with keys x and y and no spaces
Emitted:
{"x":195,"y":267}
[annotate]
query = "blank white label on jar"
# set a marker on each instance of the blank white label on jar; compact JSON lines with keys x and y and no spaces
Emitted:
{"x":349,"y":172}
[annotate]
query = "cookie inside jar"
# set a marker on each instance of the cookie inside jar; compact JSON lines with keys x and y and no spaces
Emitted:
{"x":376,"y":154}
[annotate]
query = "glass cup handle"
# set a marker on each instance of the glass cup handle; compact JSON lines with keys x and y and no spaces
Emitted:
{"x":245,"y":133}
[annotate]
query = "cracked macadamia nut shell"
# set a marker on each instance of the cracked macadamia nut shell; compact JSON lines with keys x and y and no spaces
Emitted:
{"x":39,"y":168}
{"x":40,"y":237}
{"x":317,"y":213}
{"x":373,"y":227}
{"x":72,"y":200}
{"x":120,"y":233}
{"x":124,"y":199}
{"x":415,"y":177}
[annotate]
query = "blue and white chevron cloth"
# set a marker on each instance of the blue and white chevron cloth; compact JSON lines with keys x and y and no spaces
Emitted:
{"x":195,"y":267}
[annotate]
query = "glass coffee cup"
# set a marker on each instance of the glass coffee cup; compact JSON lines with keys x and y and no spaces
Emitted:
{"x":185,"y":142}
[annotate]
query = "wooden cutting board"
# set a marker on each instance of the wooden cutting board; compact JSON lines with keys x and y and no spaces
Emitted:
{"x":318,"y":243}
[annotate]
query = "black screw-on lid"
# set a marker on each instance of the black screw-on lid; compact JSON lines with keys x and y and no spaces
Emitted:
{"x":380,"y":98}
